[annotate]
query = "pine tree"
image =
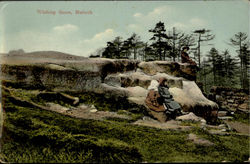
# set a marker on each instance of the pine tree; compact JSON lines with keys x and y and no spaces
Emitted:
{"x":205,"y":71}
{"x":113,"y":49}
{"x":220,"y":70}
{"x":136,"y":43}
{"x":231,"y":69}
{"x":238,"y":40}
{"x":160,"y":43}
{"x":212,"y":57}
{"x":109,"y":51}
{"x":245,"y":65}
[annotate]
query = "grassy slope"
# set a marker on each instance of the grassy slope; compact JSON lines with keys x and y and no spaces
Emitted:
{"x":34,"y":135}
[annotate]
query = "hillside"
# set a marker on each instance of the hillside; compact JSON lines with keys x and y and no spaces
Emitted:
{"x":38,"y":57}
{"x":64,"y":108}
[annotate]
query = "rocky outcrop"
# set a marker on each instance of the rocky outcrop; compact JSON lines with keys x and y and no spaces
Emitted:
{"x":114,"y":79}
{"x":231,"y":99}
{"x":172,"y":68}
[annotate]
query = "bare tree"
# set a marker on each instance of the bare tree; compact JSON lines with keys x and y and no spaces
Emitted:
{"x":203,"y":36}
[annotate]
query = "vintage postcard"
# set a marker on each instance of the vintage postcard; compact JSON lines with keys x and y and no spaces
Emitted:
{"x":124,"y":81}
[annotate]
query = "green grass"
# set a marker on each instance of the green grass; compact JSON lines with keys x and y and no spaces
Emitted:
{"x":34,"y":135}
{"x":242,"y":117}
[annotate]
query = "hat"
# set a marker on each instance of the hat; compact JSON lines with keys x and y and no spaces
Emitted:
{"x":186,"y":47}
{"x":162,"y":81}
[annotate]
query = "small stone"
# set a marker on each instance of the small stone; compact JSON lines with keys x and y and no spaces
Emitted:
{"x":218,"y":98}
{"x":203,"y":121}
{"x":222,"y":126}
{"x":184,"y":113}
{"x":235,"y":105}
{"x":146,"y":118}
{"x":229,"y":128}
{"x":92,"y":107}
{"x":223,"y":130}
{"x":243,"y":107}
{"x":222,"y":113}
{"x":93,"y":110}
{"x":83,"y":106}
{"x":226,"y":118}
{"x":189,"y":117}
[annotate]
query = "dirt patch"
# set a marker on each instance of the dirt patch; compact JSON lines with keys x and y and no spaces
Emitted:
{"x":239,"y":127}
{"x":172,"y":124}
{"x":87,"y":112}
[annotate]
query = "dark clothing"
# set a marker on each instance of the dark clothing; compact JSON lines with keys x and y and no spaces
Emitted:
{"x":162,"y":100}
{"x":168,"y":100}
{"x":186,"y":59}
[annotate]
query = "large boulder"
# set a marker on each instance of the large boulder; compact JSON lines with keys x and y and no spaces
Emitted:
{"x":172,"y":68}
{"x":113,"y":79}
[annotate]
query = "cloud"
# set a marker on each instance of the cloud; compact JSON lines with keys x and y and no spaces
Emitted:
{"x":67,"y":28}
{"x":159,"y":11}
{"x":102,"y":36}
{"x":135,"y":27}
{"x":190,"y":24}
{"x":171,"y":16}
{"x":98,"y":40}
{"x":145,"y":21}
{"x":138,"y":15}
{"x":155,"y":14}
{"x":197,"y":22}
{"x":178,"y":25}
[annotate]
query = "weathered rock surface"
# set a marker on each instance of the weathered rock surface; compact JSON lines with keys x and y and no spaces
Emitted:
{"x":239,"y":127}
{"x":189,"y":117}
{"x":111,"y":78}
{"x":231,"y":99}
{"x":173,"y":125}
{"x":173,"y":68}
{"x":199,"y":141}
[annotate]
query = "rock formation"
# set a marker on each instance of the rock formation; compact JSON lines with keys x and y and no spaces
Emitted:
{"x":231,"y":99}
{"x":113,"y":79}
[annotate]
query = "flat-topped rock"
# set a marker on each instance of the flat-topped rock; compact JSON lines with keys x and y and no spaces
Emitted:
{"x":120,"y":80}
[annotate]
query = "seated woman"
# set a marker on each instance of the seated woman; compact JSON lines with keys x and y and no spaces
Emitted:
{"x":185,"y":58}
{"x":160,"y":100}
{"x":171,"y":106}
{"x":153,"y":98}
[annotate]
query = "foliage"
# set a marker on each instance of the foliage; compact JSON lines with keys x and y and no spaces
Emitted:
{"x":34,"y":135}
{"x":160,"y":40}
{"x":240,"y":41}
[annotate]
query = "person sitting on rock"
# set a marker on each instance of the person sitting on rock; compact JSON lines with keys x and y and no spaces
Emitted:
{"x":172,"y":108}
{"x":153,"y":98}
{"x":185,"y":58}
{"x":160,"y":100}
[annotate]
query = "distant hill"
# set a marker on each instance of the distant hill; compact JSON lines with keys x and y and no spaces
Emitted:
{"x":39,"y":57}
{"x":46,"y":54}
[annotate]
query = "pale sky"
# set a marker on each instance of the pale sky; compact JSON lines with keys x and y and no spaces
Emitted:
{"x":23,"y":27}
